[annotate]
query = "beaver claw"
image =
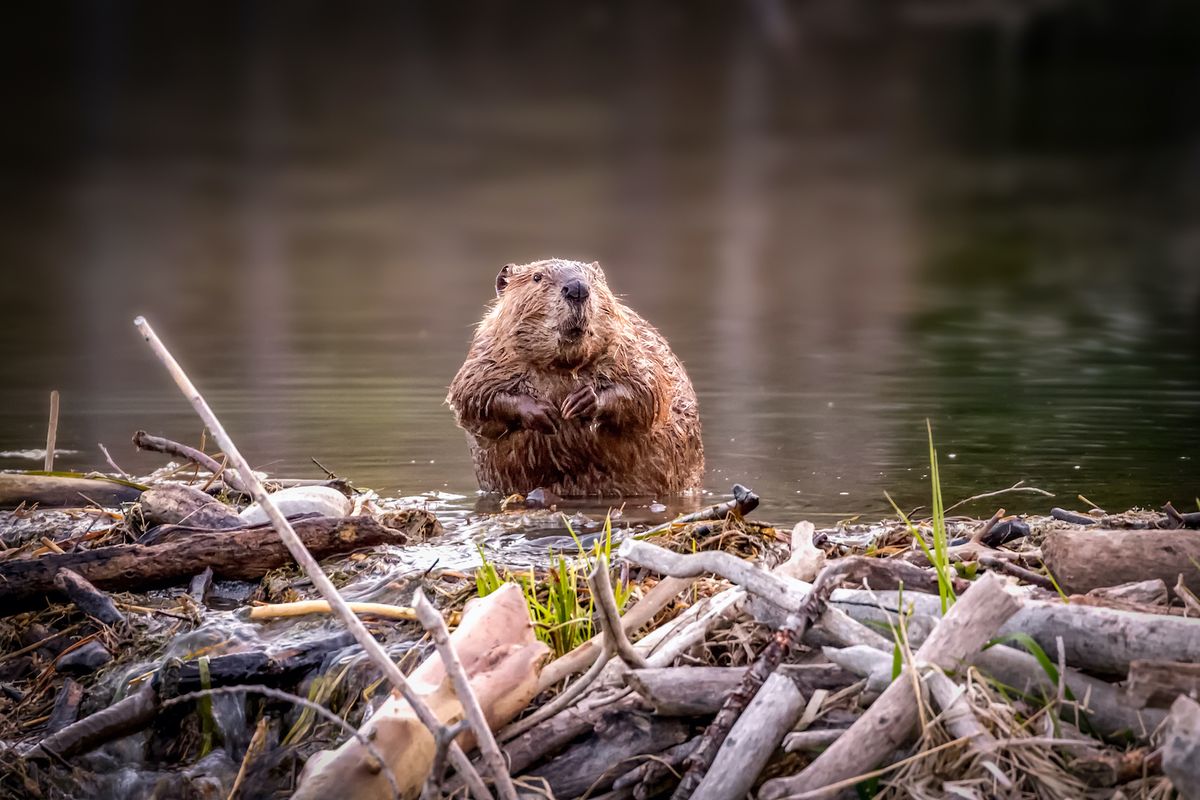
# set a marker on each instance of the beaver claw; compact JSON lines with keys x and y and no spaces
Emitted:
{"x":583,"y":403}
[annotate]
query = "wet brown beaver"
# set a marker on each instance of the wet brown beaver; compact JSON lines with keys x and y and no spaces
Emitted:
{"x":567,"y":389}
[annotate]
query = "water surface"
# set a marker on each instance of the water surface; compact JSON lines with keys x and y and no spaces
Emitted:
{"x":846,"y":220}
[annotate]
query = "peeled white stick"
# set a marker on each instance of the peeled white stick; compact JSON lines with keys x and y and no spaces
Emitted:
{"x":372,"y":648}
{"x":432,"y":622}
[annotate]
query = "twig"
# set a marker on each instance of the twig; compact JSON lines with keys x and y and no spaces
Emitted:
{"x":373,"y":649}
{"x":52,"y":431}
{"x":1016,"y":571}
{"x":144,"y":441}
{"x":875,"y":773}
{"x":432,"y":621}
{"x":113,"y":464}
{"x":610,"y":618}
{"x":1019,"y":486}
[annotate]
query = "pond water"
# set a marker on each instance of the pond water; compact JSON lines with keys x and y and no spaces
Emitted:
{"x":846,"y":220}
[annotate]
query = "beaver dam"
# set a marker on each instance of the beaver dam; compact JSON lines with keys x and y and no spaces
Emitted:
{"x":174,"y":636}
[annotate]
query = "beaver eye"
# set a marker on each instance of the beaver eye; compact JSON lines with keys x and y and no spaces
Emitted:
{"x":537,"y":277}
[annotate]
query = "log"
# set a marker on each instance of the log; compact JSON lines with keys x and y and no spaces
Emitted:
{"x":179,"y":504}
{"x":1158,"y":683}
{"x":245,"y":554}
{"x":55,"y":491}
{"x":600,"y":759}
{"x":1088,"y":559}
{"x":1181,"y":748}
{"x":700,"y":691}
{"x":752,"y":740}
{"x":891,"y":720}
{"x":501,"y":656}
{"x":1094,"y":638}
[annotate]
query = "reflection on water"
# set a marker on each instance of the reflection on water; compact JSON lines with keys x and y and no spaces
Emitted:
{"x":845,"y":218}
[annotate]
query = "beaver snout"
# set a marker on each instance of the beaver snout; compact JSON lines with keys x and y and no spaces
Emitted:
{"x":575,"y":290}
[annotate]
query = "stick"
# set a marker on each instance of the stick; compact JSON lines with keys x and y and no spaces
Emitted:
{"x":1018,"y":572}
{"x":113,"y":464}
{"x":144,"y":441}
{"x":373,"y":649}
{"x":52,"y":431}
{"x":610,"y":618}
{"x":1019,"y":486}
{"x":305,"y":607}
{"x":432,"y":622}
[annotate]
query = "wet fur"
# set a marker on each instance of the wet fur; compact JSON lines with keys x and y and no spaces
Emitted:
{"x":649,"y":443}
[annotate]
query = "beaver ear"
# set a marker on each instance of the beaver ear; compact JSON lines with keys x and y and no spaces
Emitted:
{"x":502,"y":278}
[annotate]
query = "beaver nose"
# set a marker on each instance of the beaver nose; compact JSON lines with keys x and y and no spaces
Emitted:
{"x":575,"y":290}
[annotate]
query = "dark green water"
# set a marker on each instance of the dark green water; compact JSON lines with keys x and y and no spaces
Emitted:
{"x":845,"y":218}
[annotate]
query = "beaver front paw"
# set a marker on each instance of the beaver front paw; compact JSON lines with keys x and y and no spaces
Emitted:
{"x":583,"y":403}
{"x":536,"y":415}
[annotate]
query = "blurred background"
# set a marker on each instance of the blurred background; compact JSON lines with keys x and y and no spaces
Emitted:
{"x":847,"y":216}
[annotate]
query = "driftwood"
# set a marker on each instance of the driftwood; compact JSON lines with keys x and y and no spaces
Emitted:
{"x":54,"y":491}
{"x":891,"y":720}
{"x":752,"y":740}
{"x":295,"y":546}
{"x":179,"y":504}
{"x":1181,"y":748}
{"x":1158,"y":683}
{"x":1085,"y":560}
{"x":701,"y":691}
{"x":499,"y":653}
{"x":1094,"y":638}
{"x":618,"y":740}
{"x":240,"y":555}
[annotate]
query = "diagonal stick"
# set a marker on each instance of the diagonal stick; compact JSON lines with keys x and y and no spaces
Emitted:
{"x":295,"y":546}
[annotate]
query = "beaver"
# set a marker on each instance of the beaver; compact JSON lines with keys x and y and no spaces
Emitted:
{"x":565,"y":388}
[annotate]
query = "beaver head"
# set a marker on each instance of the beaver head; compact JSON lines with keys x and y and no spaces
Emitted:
{"x":554,"y":313}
